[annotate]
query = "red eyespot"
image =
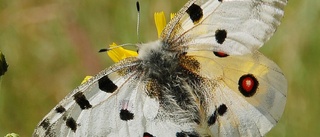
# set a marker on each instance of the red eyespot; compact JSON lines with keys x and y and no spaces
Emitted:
{"x":248,"y":85}
{"x":220,"y":54}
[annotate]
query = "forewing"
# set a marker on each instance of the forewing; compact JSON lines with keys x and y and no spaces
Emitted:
{"x":230,"y":26}
{"x":110,"y":104}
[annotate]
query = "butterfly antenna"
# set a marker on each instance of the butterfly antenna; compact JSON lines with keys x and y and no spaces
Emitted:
{"x":122,"y":45}
{"x":138,"y":36}
{"x":103,"y":50}
{"x":138,"y":20}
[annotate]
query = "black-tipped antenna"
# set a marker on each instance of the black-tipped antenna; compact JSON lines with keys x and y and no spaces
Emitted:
{"x":103,"y":50}
{"x":138,"y":26}
{"x":117,"y":46}
{"x":138,"y":20}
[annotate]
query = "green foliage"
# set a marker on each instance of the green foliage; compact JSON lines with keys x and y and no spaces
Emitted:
{"x":52,"y":45}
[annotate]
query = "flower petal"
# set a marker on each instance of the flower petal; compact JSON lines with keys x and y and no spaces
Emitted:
{"x":86,"y":79}
{"x":117,"y":53}
{"x":160,"y":21}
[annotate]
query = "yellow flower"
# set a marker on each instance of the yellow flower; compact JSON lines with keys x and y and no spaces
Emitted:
{"x":172,"y":15}
{"x":160,"y":21}
{"x":117,"y":53}
{"x":86,"y":79}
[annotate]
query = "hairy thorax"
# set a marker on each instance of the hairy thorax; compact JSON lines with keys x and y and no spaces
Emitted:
{"x":171,"y":77}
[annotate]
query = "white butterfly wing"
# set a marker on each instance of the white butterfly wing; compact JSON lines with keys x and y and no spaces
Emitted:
{"x":186,"y":84}
{"x":114,"y":103}
{"x":230,"y":26}
{"x":233,"y":109}
{"x":248,"y":92}
{"x":105,"y":105}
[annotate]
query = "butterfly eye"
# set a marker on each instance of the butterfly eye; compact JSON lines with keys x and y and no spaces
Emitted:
{"x":248,"y":85}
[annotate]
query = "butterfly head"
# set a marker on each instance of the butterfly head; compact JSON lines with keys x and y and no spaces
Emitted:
{"x":145,"y":50}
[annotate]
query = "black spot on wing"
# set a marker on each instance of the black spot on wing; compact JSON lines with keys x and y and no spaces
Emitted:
{"x":221,"y":36}
{"x":220,"y":0}
{"x":187,"y":134}
{"x":60,"y":109}
{"x":195,"y":12}
{"x":126,"y":115}
{"x":222,"y":109}
{"x":180,"y":134}
{"x":45,"y":123}
{"x":105,"y":84}
{"x":146,"y":134}
{"x":50,"y":133}
{"x":212,"y":119}
{"x":71,"y":123}
{"x":81,"y":100}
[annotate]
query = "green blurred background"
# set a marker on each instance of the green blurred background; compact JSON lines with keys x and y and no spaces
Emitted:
{"x":52,"y":45}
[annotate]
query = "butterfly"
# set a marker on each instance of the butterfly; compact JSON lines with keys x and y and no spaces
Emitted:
{"x":203,"y":77}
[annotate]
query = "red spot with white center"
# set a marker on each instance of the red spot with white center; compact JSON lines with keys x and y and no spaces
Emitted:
{"x":248,"y":85}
